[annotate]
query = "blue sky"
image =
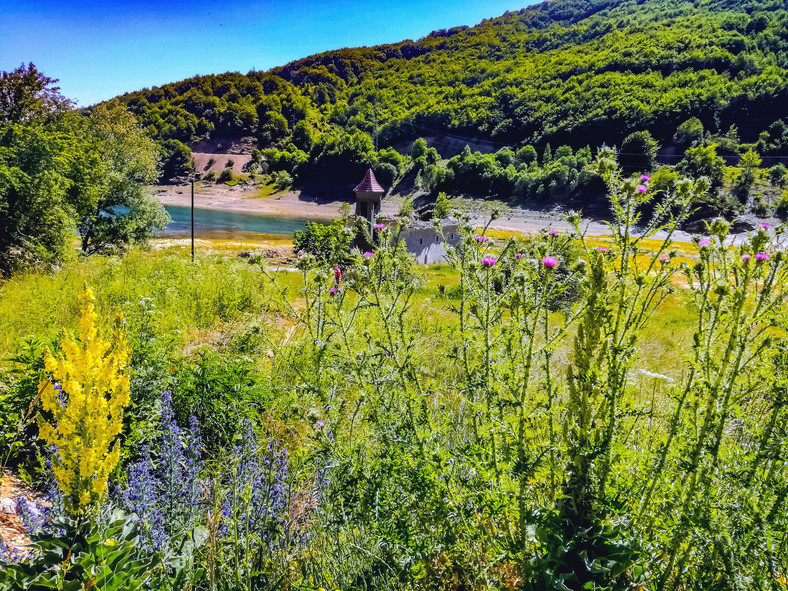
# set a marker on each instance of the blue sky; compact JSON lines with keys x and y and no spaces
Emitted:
{"x":101,"y":49}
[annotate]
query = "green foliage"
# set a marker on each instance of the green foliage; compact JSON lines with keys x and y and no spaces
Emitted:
{"x":327,"y":243}
{"x":639,"y":152}
{"x":703,"y":162}
{"x":774,"y":139}
{"x":225,"y":176}
{"x":748,"y":165}
{"x":504,"y":173}
{"x":36,"y":219}
{"x":778,"y":174}
{"x":114,"y":207}
{"x":17,"y":403}
{"x":27,"y":95}
{"x":84,"y":555}
{"x":689,"y":133}
{"x":562,"y":71}
{"x":60,"y":171}
{"x":176,"y":159}
{"x":221,"y":392}
{"x":442,"y":206}
{"x":664,"y":179}
{"x":282,"y":180}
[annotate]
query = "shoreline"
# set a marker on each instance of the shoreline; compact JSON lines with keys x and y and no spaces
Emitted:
{"x":237,"y":200}
{"x":294,"y":204}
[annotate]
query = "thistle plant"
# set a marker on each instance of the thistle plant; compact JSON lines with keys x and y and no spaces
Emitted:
{"x":84,"y":397}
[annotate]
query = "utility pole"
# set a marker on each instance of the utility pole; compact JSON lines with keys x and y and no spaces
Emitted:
{"x":192,"y":180}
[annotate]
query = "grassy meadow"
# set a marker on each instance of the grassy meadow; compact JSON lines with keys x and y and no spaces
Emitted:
{"x":547,"y":412}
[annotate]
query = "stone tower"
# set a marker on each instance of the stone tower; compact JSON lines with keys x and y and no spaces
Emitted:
{"x":368,"y":196}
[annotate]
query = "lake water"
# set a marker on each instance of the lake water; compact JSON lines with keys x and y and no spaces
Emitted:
{"x":228,"y":224}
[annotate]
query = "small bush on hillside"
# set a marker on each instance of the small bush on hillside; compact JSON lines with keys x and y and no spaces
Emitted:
{"x":282,"y":180}
{"x":225,"y":176}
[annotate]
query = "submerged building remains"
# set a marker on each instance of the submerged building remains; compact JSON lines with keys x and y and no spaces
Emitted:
{"x":421,"y":239}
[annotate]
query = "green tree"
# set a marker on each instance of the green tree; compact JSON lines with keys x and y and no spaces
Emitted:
{"x":703,"y":161}
{"x":36,"y":151}
{"x":328,"y":243}
{"x":748,"y":165}
{"x":777,"y":175}
{"x":303,"y":136}
{"x":639,"y":151}
{"x":27,"y":95}
{"x":689,"y":133}
{"x":176,"y":159}
{"x":113,"y":203}
{"x":547,"y":157}
{"x":442,"y":206}
{"x":35,"y":217}
{"x":526,"y":155}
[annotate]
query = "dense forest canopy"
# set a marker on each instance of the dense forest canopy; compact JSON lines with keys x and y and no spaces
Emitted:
{"x":567,"y":71}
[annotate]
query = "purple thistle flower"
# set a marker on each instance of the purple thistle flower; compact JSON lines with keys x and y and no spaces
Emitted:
{"x":642,"y":188}
{"x":333,"y":290}
{"x":489,"y":261}
{"x":550,"y":262}
{"x":761,"y":256}
{"x":518,"y":255}
{"x":745,"y":258}
{"x":552,"y":233}
{"x":480,"y":238}
{"x":368,"y":254}
{"x":664,"y":259}
{"x":704,"y":242}
{"x":645,"y":178}
{"x":764,"y":225}
{"x":379,"y":226}
{"x":603,"y":249}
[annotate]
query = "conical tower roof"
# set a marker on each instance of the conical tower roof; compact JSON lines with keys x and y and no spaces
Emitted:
{"x":369,"y":184}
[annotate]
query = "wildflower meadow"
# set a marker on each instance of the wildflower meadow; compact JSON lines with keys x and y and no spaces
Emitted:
{"x":557,"y":411}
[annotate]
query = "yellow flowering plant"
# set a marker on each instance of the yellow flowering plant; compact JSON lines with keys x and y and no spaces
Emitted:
{"x":85,"y":395}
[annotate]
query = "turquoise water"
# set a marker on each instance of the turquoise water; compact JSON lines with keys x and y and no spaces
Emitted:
{"x":228,"y":223}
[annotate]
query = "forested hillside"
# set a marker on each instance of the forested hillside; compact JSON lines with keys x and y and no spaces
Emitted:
{"x":566,"y":72}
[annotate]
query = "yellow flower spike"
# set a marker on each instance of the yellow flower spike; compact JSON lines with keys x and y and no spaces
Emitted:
{"x":86,"y":409}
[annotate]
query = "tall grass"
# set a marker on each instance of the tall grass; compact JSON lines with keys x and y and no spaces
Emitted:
{"x":188,"y":297}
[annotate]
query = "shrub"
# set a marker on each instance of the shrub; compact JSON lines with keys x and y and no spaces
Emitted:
{"x":282,"y":180}
{"x":225,"y":176}
{"x":329,"y":244}
{"x":689,"y":133}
